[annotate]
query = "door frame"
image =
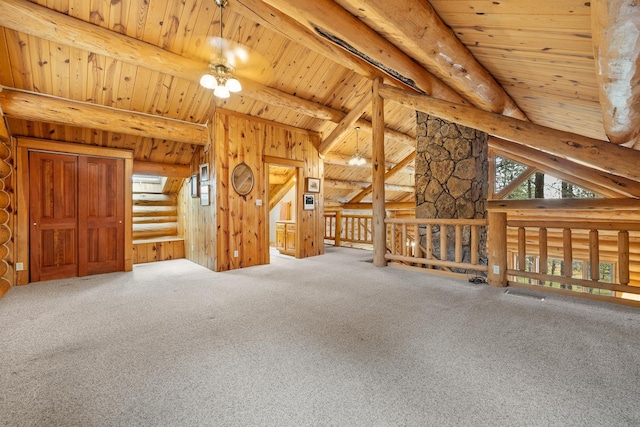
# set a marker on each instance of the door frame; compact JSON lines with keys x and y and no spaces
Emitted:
{"x":298,"y":165}
{"x":24,"y":145}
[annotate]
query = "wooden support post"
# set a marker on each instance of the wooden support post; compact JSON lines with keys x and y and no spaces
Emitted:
{"x":377,"y":182}
{"x":542,"y":237}
{"x":522,"y":248}
{"x":567,"y":252}
{"x":416,"y":242}
{"x":444,"y":250}
{"x":474,"y":245}
{"x":404,"y":239}
{"x":338,"y":229}
{"x":623,"y":257}
{"x":497,"y":249}
{"x":594,"y":255}
{"x":458,"y":243}
{"x":429,"y":244}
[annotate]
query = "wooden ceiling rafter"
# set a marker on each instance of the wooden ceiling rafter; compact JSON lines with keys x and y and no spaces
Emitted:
{"x":597,"y":181}
{"x":346,"y":124}
{"x":418,"y":31}
{"x":334,"y":158}
{"x":397,"y":168}
{"x":594,"y":153}
{"x":615,"y":26}
{"x":29,"y":18}
{"x":46,"y":108}
{"x":327,"y":19}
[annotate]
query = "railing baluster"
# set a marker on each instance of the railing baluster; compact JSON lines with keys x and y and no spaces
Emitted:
{"x":404,"y":239}
{"x":594,"y":255}
{"x":542,"y":237}
{"x":474,"y":245}
{"x":458,"y":243}
{"x":623,"y":257}
{"x":567,"y":252}
{"x":443,"y":242}
{"x":417,"y":248}
{"x":522,"y":248}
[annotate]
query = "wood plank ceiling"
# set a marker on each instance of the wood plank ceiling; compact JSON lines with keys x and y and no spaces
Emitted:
{"x":539,"y":53}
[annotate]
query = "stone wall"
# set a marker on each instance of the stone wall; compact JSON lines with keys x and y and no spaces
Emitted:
{"x":452,"y":176}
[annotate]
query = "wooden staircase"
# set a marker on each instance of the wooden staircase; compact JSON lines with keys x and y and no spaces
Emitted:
{"x":155,"y":228}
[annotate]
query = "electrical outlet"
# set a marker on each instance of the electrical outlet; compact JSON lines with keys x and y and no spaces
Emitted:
{"x":235,"y":254}
{"x":259,"y":202}
{"x":19,"y":266}
{"x":496,"y":269}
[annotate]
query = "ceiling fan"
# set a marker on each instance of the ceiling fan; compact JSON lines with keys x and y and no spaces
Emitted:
{"x":226,"y":60}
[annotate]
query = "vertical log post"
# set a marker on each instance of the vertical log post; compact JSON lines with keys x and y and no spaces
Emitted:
{"x":444,"y":249}
{"x":474,"y":245}
{"x":522,"y":248}
{"x":594,"y":255}
{"x":338,"y":229}
{"x":497,"y":249}
{"x":429,"y":243}
{"x":458,"y":243}
{"x":567,"y":248}
{"x":623,"y":257}
{"x":377,"y":181}
{"x":542,"y":237}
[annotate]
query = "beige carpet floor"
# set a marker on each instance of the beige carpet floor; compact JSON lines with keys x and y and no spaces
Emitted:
{"x":325,"y":341}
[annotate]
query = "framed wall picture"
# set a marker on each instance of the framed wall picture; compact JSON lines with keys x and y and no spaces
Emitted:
{"x":309,"y":202}
{"x":313,"y":185}
{"x":204,"y":173}
{"x":204,"y":195}
{"x":194,"y":185}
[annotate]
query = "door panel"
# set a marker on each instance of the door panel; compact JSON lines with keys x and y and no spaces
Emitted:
{"x":53,"y":213}
{"x":77,"y":215}
{"x":101,"y":214}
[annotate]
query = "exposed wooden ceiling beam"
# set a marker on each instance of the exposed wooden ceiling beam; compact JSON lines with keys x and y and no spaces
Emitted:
{"x":346,"y":124}
{"x":30,"y":18}
{"x":410,"y":158}
{"x":161,"y":169}
{"x":515,"y":183}
{"x":281,"y":190}
{"x":343,"y":160}
{"x":392,"y":206}
{"x":358,"y":185}
{"x":418,"y":31}
{"x":615,"y":28}
{"x":599,"y":182}
{"x":45,"y":108}
{"x":592,"y":152}
{"x":258,"y":11}
{"x":327,"y":19}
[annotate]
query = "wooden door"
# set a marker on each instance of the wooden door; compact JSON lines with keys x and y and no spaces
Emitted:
{"x":100,"y":215}
{"x":53,"y":216}
{"x":77,"y":215}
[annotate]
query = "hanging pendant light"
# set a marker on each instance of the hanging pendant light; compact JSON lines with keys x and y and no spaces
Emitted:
{"x":220,"y":76}
{"x":357,"y":159}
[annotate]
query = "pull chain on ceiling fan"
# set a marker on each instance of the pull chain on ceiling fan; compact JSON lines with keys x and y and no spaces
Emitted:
{"x":220,"y":76}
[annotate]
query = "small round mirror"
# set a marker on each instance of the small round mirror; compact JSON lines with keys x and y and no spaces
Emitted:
{"x":242,"y":179}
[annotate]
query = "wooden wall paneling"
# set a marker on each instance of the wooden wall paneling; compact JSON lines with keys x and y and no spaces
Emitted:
{"x":223,"y":201}
{"x":6,"y":77}
{"x":21,"y":214}
{"x":18,"y":53}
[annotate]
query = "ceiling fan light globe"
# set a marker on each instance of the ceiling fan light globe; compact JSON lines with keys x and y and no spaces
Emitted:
{"x":208,"y":81}
{"x":233,"y":85}
{"x":221,"y":91}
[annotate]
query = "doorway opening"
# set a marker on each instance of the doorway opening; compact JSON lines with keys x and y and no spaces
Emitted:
{"x":282,"y":209}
